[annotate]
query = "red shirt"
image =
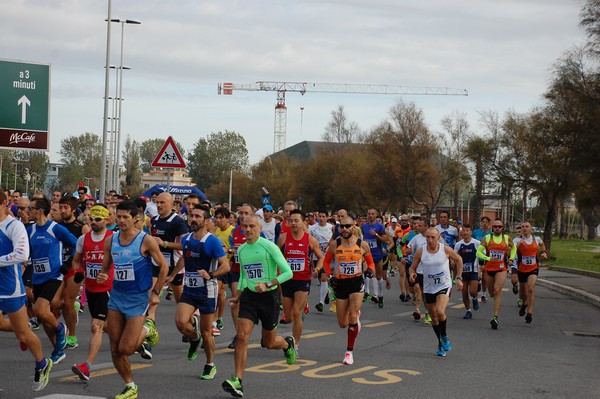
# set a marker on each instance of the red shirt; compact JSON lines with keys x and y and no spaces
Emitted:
{"x":296,"y":253}
{"x":92,"y":257}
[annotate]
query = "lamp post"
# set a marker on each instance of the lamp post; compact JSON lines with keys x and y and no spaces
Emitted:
{"x":105,"y":119}
{"x":119,"y":97}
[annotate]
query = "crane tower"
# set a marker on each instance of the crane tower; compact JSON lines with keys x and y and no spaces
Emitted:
{"x":302,"y":87}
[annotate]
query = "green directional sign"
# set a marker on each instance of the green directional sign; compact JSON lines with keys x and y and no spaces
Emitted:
{"x":24,"y":105}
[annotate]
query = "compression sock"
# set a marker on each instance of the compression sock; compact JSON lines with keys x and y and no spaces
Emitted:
{"x":322,"y":292}
{"x":443,"y":328}
{"x":380,"y":282}
{"x":352,"y":334}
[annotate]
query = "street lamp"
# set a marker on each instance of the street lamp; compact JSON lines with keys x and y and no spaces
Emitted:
{"x":117,"y":157}
{"x":105,"y":119}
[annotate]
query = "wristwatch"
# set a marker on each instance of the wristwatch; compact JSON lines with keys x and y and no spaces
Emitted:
{"x":155,"y":291}
{"x":458,"y":278}
{"x":269,"y":284}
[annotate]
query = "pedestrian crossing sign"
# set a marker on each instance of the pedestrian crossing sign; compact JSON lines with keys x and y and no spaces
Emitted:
{"x":169,"y":156}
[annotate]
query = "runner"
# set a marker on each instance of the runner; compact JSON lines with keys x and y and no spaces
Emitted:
{"x":271,"y":229}
{"x":478,"y":234}
{"x":132,"y":252}
{"x":46,"y":240}
{"x":420,"y":227}
{"x":374,"y":235}
{"x":296,"y":246}
{"x":496,"y":249}
{"x":89,"y":253}
{"x":350,"y":254}
{"x":527,"y":268}
{"x":14,"y":251}
{"x":203,"y":261}
{"x":263,"y":267}
{"x":400,"y":249}
{"x":223,"y":232}
{"x":467,"y":250}
{"x":448,"y":232}
{"x":323,"y":233}
{"x":437,"y":283}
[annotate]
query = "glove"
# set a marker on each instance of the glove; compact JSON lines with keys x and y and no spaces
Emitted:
{"x":78,"y":277}
{"x":64,"y":270}
{"x":369,"y":273}
{"x":333,"y":282}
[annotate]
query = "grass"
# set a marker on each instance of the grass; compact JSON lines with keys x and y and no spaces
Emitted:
{"x":575,"y":253}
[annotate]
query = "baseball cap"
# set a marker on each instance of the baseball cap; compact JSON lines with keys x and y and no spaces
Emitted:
{"x":268,"y":208}
{"x":394,"y":220}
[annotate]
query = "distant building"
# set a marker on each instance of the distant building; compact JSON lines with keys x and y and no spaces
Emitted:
{"x":51,"y":178}
{"x":179,"y":177}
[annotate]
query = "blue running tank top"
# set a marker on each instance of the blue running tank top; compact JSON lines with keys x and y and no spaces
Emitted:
{"x":132,"y":270}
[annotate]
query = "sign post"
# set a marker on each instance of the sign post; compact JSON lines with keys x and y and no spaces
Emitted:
{"x":24,"y":105}
{"x":169,"y":157}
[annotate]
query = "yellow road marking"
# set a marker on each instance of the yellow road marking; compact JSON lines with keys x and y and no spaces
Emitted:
{"x":380,"y":324}
{"x":105,"y":372}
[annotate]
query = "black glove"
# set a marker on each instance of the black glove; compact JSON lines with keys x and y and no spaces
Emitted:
{"x":64,"y":270}
{"x":333,"y":282}
{"x":369,"y":273}
{"x":78,"y":277}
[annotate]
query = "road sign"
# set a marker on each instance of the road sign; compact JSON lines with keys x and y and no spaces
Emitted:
{"x":169,"y":156}
{"x":24,"y":105}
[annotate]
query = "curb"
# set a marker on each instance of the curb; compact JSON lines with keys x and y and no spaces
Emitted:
{"x":580,"y":272}
{"x":573,"y":292}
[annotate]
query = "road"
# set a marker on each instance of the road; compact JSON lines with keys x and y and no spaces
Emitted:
{"x":554,"y":357}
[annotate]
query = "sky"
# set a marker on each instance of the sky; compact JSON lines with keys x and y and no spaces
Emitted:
{"x":501,"y":51}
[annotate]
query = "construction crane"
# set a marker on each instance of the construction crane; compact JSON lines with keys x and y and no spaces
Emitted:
{"x":302,"y":87}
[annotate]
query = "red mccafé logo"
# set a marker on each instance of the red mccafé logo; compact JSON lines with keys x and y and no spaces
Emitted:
{"x":24,"y":137}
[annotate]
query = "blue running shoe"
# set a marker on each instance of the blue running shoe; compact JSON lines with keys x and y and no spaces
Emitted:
{"x":440,"y":351}
{"x":475,"y":304}
{"x":468,"y":315}
{"x":58,"y":356}
{"x":446,"y":346}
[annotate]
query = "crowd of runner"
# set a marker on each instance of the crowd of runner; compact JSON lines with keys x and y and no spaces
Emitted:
{"x":118,"y":258}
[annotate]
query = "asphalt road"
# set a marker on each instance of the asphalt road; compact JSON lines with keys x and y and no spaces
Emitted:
{"x":554,"y":357}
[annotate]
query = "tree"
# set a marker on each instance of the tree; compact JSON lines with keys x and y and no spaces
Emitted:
{"x":479,"y":151}
{"x":131,"y":160}
{"x":36,"y":163}
{"x":215,"y":156}
{"x":82,"y":157}
{"x":340,"y":130}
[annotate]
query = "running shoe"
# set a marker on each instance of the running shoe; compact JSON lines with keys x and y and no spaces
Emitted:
{"x":58,"y":356}
{"x":416,"y":316}
{"x":367,"y":297}
{"x":220,"y":323}
{"x":468,"y":315}
{"x":77,"y":307}
{"x":475,"y":304}
{"x":34,"y":324}
{"x":519,"y":302}
{"x":128,"y":393}
{"x":185,"y":339}
{"x":333,"y":307}
{"x":515,"y":289}
{"x":440,"y":351}
{"x":348,"y":358}
{"x":402,"y":297}
{"x":380,"y":303}
{"x":152,"y":337}
{"x":72,"y":342}
{"x":483,"y":299}
{"x":406,"y":298}
{"x":427,"y":318}
{"x":494,"y":322}
{"x":209,"y":372}
{"x":215,"y":331}
{"x":193,"y":351}
{"x":61,"y":338}
{"x":327,"y":299}
{"x":145,"y":351}
{"x":233,"y":386}
{"x":169,"y":296}
{"x":374,"y":299}
{"x":232,"y":343}
{"x":528,"y":318}
{"x":82,"y":371}
{"x":290,"y":352}
{"x":446,"y":345}
{"x":522,"y":310}
{"x":388,"y":283}
{"x":42,"y":376}
{"x":319,"y":307}
{"x":283,"y":320}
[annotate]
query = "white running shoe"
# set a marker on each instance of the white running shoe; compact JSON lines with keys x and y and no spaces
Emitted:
{"x":348,"y":358}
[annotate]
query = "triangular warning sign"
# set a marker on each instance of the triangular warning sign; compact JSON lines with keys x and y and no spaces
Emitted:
{"x":169,"y":156}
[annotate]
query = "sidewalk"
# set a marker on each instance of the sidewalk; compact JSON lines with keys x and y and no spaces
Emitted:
{"x":584,"y":286}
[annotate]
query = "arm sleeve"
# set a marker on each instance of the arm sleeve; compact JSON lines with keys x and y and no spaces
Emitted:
{"x":369,"y":260}
{"x":20,"y":243}
{"x":286,"y":272}
{"x":513,"y":252}
{"x":327,"y":262}
{"x":480,"y":253}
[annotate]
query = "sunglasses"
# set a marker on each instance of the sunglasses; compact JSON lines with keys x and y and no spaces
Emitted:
{"x":345,"y":226}
{"x":21,"y":208}
{"x":32,"y":208}
{"x":97,"y":219}
{"x":497,"y":227}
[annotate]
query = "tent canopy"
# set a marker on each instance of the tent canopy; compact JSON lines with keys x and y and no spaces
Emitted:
{"x":181,"y":190}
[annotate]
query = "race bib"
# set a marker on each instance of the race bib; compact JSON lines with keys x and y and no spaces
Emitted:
{"x":41,"y":265}
{"x":92,"y":270}
{"x":528,"y":260}
{"x":497,"y":255}
{"x":124,"y":272}
{"x":254,"y":271}
{"x":436,"y":279}
{"x":468,"y":267}
{"x":296,"y":264}
{"x":348,"y":268}
{"x":193,"y":280}
{"x":372,"y":243}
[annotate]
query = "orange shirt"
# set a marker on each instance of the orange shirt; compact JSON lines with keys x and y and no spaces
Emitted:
{"x":498,"y":252}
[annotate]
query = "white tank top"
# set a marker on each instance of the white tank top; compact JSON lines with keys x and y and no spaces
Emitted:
{"x":436,"y":270}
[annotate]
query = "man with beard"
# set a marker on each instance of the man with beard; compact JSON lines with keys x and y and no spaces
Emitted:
{"x":203,"y":261}
{"x":89,"y":253}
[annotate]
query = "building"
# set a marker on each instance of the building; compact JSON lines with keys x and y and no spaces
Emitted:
{"x":179,"y":177}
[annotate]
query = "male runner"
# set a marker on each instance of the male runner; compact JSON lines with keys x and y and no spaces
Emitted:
{"x":448,"y":232}
{"x":498,"y":251}
{"x":322,"y":232}
{"x":526,"y":269}
{"x":437,"y":283}
{"x":204,"y":260}
{"x":478,"y":234}
{"x":349,"y":252}
{"x":89,"y":255}
{"x":374,"y":235}
{"x":420,"y":227}
{"x":296,"y":246}
{"x":132,"y":253}
{"x":223,"y":232}
{"x":467,"y":250}
{"x":14,"y":251}
{"x":263,"y":268}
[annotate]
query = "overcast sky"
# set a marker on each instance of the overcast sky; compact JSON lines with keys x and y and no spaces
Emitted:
{"x":500,"y":51}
